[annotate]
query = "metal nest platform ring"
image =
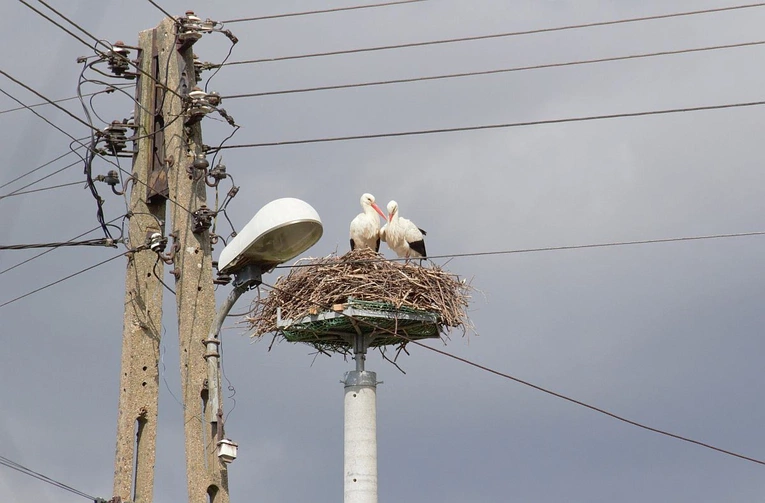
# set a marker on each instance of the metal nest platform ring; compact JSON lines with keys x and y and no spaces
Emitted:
{"x":377,"y":322}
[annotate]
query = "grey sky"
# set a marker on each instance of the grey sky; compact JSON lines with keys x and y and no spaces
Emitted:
{"x":665,"y":334}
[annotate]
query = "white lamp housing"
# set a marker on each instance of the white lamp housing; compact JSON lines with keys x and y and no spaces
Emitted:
{"x":227,"y":450}
{"x":280,"y":231}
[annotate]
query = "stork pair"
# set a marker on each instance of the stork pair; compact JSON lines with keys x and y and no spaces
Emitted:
{"x":401,"y":235}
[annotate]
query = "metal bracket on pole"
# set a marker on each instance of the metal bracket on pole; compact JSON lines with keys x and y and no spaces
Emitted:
{"x":248,"y":277}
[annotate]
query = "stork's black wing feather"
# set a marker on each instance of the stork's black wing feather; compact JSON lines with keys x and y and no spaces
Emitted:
{"x":423,"y":232}
{"x":419,"y":247}
{"x":353,"y":245}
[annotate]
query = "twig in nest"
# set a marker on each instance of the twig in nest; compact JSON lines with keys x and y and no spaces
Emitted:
{"x":385,"y":357}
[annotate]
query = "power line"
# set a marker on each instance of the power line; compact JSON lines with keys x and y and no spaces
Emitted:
{"x":48,"y":100}
{"x":493,"y":126}
{"x":96,"y":39}
{"x":583,"y":404}
{"x":16,"y":193}
{"x":52,"y":249}
{"x":325,"y":11}
{"x":87,"y":160}
{"x":39,"y":476}
{"x":65,"y":278}
{"x":89,"y":155}
{"x":20,"y":189}
{"x":45,"y":119}
{"x":62,"y":100}
{"x":555,"y":248}
{"x":450,"y":75}
{"x":493,"y":72}
{"x":496,"y":35}
{"x":37,"y":168}
{"x":89,"y":242}
{"x":523,"y":382}
{"x":602,"y":245}
{"x":160,"y":8}
{"x":55,"y":23}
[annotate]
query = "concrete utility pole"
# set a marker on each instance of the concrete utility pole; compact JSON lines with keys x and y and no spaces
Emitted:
{"x":207,"y":476}
{"x":164,"y":167}
{"x":142,"y":325}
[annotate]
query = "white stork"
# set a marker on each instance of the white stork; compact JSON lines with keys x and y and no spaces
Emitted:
{"x":403,"y":237}
{"x":365,"y":228}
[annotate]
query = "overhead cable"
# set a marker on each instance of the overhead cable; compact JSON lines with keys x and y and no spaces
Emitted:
{"x":453,"y":75}
{"x":89,"y":155}
{"x":100,"y":53}
{"x":406,"y":339}
{"x":493,"y":126}
{"x":62,"y":100}
{"x":497,"y":35}
{"x":20,"y":189}
{"x":46,"y":99}
{"x":64,"y":278}
{"x":493,"y":72}
{"x":55,"y":23}
{"x":49,"y":122}
{"x":586,"y":405}
{"x":39,"y":476}
{"x":52,"y":249}
{"x":558,"y":248}
{"x":325,"y":11}
{"x":155,"y":4}
{"x":21,"y":193}
{"x":89,"y":158}
{"x":82,"y":30}
{"x":37,"y":168}
{"x":111,"y":243}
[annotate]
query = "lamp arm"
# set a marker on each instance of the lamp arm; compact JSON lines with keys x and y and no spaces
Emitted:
{"x":212,"y":354}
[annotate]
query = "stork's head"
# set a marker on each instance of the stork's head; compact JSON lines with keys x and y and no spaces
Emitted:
{"x":392,"y":209}
{"x":368,"y":200}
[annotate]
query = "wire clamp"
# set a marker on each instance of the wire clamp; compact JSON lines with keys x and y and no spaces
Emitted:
{"x":218,"y":172}
{"x":202,"y":219}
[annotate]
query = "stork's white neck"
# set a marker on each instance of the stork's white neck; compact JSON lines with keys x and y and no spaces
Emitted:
{"x":368,"y":210}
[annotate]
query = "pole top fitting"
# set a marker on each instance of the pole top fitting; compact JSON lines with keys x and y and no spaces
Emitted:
{"x":360,"y":378}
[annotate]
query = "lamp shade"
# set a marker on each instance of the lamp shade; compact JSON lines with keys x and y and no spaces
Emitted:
{"x":279,"y":231}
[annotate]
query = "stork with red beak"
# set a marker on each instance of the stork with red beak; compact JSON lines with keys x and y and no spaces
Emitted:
{"x":365,"y":228}
{"x":403,"y":237}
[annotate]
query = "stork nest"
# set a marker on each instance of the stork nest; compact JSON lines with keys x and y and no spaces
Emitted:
{"x":405,"y":302}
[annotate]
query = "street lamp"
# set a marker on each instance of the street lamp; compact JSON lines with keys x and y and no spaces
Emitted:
{"x":279,"y":231}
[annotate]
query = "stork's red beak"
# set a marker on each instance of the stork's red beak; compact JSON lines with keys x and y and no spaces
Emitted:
{"x":378,"y":210}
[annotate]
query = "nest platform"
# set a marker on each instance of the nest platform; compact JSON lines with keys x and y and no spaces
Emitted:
{"x":327,"y":302}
